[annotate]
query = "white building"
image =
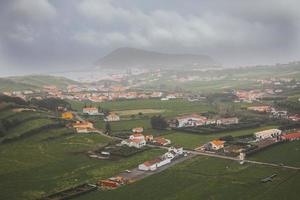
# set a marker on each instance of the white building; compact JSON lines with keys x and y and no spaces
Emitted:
{"x":227,"y":121}
{"x":90,"y":111}
{"x":270,"y":133}
{"x":134,"y":143}
{"x":135,"y":140}
{"x":112,"y":117}
{"x":153,"y":164}
{"x":190,"y":120}
{"x":173,"y":152}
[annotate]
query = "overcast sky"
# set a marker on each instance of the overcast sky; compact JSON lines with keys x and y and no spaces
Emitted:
{"x":44,"y":35}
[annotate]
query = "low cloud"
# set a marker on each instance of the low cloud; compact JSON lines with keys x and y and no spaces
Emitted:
{"x":59,"y":32}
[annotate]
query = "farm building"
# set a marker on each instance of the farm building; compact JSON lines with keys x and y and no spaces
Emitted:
{"x":173,"y":152}
{"x":90,"y":111}
{"x":153,"y":164}
{"x":84,"y":124}
{"x":260,"y":108}
{"x":112,"y":117}
{"x":83,"y":127}
{"x":137,"y":143}
{"x":136,"y":140}
{"x":190,"y":120}
{"x":149,"y":138}
{"x":227,"y":121}
{"x":271,"y":133}
{"x":216,"y":144}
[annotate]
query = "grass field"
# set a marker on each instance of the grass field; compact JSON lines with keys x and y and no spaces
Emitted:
{"x":52,"y":161}
{"x":209,"y":178}
{"x":189,"y":140}
{"x":287,"y":153}
{"x":137,"y":111}
{"x":172,"y":107}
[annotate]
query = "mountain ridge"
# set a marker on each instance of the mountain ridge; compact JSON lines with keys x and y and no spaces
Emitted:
{"x":127,"y":57}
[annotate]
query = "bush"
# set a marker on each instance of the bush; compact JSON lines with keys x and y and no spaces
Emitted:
{"x":158,"y":122}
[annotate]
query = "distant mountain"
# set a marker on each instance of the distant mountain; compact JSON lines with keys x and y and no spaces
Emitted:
{"x":136,"y":58}
{"x":32,"y":82}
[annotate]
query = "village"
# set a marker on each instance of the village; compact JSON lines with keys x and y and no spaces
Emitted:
{"x":227,"y":147}
{"x":179,"y":124}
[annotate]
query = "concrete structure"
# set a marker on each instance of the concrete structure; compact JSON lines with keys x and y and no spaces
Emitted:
{"x":270,"y":133}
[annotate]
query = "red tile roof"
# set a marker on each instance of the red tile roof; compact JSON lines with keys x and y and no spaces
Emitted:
{"x":291,"y":136}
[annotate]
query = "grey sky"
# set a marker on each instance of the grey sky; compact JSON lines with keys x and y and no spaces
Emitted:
{"x":41,"y":35}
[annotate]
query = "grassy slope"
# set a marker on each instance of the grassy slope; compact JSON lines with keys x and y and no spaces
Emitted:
{"x":53,"y":160}
{"x":208,"y":178}
{"x":287,"y":153}
{"x":32,"y":82}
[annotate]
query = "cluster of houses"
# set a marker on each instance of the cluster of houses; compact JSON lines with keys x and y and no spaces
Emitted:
{"x":249,"y":96}
{"x":275,"y":113}
{"x":270,"y":134}
{"x":139,"y":140}
{"x":194,"y":120}
{"x":165,"y":159}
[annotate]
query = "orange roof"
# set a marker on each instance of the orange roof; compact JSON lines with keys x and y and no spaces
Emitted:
{"x":218,"y":142}
{"x":151,"y":162}
{"x":292,"y":136}
{"x":161,"y":140}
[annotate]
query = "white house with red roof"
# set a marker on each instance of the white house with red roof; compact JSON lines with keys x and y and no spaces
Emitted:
{"x":135,"y":140}
{"x":152,"y":165}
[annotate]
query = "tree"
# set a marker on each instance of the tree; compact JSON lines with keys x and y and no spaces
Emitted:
{"x":107,"y":128}
{"x":158,"y":122}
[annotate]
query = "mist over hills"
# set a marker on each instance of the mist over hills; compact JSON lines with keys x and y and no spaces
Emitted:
{"x":126,"y":57}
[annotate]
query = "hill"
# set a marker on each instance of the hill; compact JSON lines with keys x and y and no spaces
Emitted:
{"x":136,"y":58}
{"x":32,"y":82}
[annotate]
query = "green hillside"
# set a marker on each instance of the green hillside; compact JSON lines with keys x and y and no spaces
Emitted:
{"x":32,"y":82}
